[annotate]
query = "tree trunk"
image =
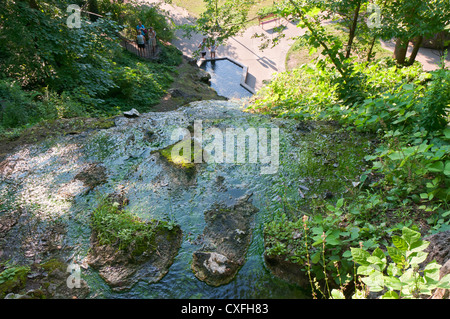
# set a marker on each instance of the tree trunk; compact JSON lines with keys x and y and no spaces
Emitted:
{"x":417,"y":44}
{"x":337,"y":63}
{"x":401,"y":47}
{"x":369,"y":54}
{"x":353,"y":30}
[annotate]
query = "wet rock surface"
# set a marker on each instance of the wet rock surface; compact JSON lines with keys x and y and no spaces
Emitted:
{"x":226,"y":238}
{"x":121,"y":269}
{"x":49,"y":191}
{"x":48,"y":280}
{"x":92,"y":176}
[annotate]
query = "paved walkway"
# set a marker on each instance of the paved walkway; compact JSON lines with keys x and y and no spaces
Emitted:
{"x":245,"y":49}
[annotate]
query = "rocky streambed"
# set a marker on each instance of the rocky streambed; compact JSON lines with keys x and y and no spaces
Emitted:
{"x":201,"y":220}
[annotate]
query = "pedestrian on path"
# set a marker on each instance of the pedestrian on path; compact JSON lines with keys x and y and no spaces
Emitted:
{"x":152,"y":40}
{"x":140,"y":27}
{"x":213,"y":49}
{"x":140,"y":42}
{"x":202,"y":48}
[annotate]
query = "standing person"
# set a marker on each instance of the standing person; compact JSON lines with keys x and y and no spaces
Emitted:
{"x":140,"y":42}
{"x":152,"y":40}
{"x":213,"y":49}
{"x":140,"y":27}
{"x":202,"y":47}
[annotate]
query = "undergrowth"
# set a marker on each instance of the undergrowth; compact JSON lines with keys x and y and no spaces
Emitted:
{"x":406,"y":182}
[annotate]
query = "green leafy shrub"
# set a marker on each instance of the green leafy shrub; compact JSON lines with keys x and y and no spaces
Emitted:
{"x":320,"y":244}
{"x":140,"y":84}
{"x":403,"y":277}
{"x":305,"y":92}
{"x":436,"y":101}
{"x":169,"y":55}
{"x":16,"y":106}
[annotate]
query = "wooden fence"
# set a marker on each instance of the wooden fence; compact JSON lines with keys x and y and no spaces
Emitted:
{"x":132,"y":47}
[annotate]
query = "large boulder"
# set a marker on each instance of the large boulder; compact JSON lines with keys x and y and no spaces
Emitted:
{"x":226,"y":239}
{"x":439,"y":250}
{"x":122,"y":269}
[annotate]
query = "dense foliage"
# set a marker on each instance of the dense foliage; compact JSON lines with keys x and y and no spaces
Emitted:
{"x":49,"y":70}
{"x":407,"y":182}
{"x":220,"y":20}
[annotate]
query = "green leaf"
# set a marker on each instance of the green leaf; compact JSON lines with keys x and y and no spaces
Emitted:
{"x":393,"y":270}
{"x":360,"y":256}
{"x":396,"y":255}
{"x":365,"y":270}
{"x":375,"y":261}
{"x":410,"y":236}
{"x":347,"y":254}
{"x":395,"y":156}
{"x":444,"y":282}
{"x":417,"y":257}
{"x":408,"y":276}
{"x":316,"y":257}
{"x":337,"y":294}
{"x":432,"y":270}
{"x":390,"y":295}
{"x":447,"y":168}
{"x":400,"y":243}
{"x":419,"y":246}
{"x":447,"y":130}
{"x":375,"y":281}
{"x":379,"y":253}
{"x":339,"y":203}
{"x":436,"y":167}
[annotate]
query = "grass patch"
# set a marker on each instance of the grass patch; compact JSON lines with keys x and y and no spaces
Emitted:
{"x":126,"y":231}
{"x":197,"y":7}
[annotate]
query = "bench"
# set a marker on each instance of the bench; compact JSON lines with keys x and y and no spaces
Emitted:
{"x":268,"y":18}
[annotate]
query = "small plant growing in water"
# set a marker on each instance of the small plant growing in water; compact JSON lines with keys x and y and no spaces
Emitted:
{"x":127,"y":231}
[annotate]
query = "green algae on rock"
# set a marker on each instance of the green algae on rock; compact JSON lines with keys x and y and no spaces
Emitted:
{"x":126,"y":249}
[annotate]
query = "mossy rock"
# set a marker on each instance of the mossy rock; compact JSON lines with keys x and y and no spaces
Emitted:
{"x":145,"y":253}
{"x":176,"y":156}
{"x":46,"y":280}
{"x":13,"y":280}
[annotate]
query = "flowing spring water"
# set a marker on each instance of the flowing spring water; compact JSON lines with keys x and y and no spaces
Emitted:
{"x":41,"y":180}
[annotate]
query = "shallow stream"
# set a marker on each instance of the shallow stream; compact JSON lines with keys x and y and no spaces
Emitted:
{"x":42,"y":180}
